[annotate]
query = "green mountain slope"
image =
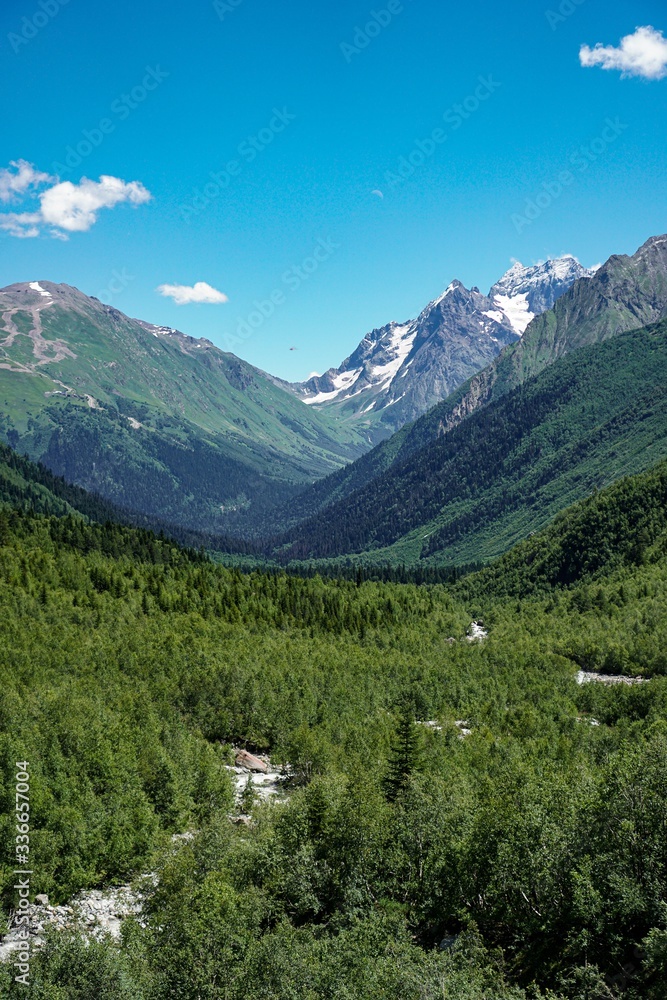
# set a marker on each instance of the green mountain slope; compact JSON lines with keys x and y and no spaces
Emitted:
{"x":31,"y":487}
{"x":625,"y":294}
{"x":152,"y":419}
{"x":623,"y":525}
{"x":507,"y":470}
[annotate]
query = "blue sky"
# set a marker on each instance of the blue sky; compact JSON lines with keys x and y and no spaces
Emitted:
{"x":313,"y":117}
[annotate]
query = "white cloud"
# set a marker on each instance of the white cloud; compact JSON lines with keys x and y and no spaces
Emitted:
{"x":19,"y":180}
{"x":21,"y":224}
{"x":64,"y":207}
{"x":183,"y":295}
{"x":74,"y":207}
{"x":642,"y":54}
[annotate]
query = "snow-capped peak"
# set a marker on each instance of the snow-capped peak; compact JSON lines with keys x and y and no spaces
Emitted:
{"x":516,"y":268}
{"x":374,"y":365}
{"x":448,"y":290}
{"x":525,"y":292}
{"x":403,"y":368}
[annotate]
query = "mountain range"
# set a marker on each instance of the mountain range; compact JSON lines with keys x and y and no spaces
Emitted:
{"x":168,"y":426}
{"x":152,"y":419}
{"x":533,"y":409}
{"x":401,"y":370}
{"x":625,"y":294}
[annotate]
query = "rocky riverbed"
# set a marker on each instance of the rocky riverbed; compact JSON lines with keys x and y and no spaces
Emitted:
{"x":477,"y":632}
{"x":100,"y":913}
{"x":588,"y":677}
{"x":96,"y":914}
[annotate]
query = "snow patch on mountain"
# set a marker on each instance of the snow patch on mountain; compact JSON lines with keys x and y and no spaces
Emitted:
{"x":526,"y":292}
{"x":36,"y":287}
{"x":495,"y":314}
{"x":400,"y":344}
{"x":341,"y":383}
{"x":516,"y":310}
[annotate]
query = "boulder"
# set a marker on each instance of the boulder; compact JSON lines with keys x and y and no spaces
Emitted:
{"x":246,"y":760}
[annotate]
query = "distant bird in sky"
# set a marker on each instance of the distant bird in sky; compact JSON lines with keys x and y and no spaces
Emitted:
{"x":294,"y":348}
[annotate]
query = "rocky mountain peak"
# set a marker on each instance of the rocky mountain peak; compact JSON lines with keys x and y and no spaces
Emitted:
{"x":526,"y":292}
{"x":655,"y":248}
{"x":400,"y":370}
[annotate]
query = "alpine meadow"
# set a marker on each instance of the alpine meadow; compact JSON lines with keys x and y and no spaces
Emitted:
{"x":330,"y":679}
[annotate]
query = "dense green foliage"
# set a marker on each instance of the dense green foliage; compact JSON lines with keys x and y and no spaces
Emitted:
{"x":533,"y":849}
{"x":612,"y":528}
{"x":27,"y":486}
{"x":30,"y":486}
{"x":508,"y":469}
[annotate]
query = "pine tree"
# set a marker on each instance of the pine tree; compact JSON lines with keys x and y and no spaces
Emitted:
{"x":405,"y":756}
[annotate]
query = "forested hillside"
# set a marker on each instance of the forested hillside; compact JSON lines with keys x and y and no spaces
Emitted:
{"x":526,"y":859}
{"x":507,"y":470}
{"x":612,"y":528}
{"x":30,"y":486}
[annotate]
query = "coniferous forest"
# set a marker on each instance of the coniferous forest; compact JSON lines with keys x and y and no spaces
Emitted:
{"x":462,"y":819}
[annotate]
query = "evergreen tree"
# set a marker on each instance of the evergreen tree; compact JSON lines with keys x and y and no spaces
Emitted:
{"x":405,"y":756}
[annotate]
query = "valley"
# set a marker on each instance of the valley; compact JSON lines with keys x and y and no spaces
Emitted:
{"x":510,"y":467}
{"x":333,"y":501}
{"x":172,"y":430}
{"x":337,"y":703}
{"x":134,"y":671}
{"x":623,"y":295}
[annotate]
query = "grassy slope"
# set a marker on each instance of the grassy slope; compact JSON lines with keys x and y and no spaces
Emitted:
{"x":196,"y":407}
